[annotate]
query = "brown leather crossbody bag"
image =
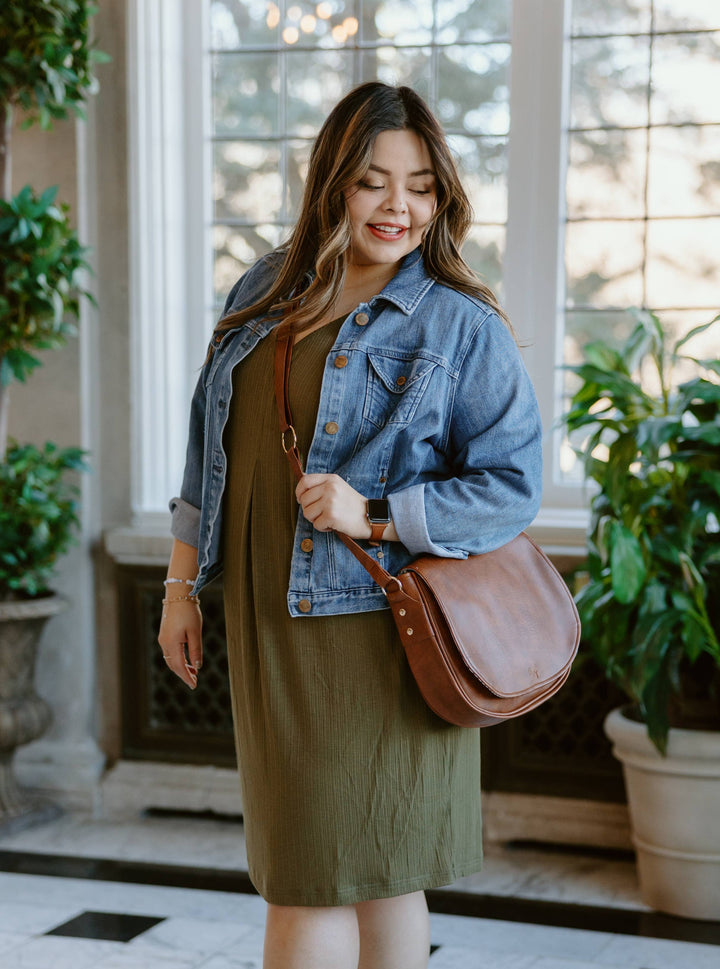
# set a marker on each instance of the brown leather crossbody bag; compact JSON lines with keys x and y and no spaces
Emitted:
{"x":487,"y":638}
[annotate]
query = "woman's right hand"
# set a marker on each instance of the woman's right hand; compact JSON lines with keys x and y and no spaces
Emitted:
{"x":180,"y":637}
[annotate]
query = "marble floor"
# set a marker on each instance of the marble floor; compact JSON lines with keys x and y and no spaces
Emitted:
{"x":160,"y":891}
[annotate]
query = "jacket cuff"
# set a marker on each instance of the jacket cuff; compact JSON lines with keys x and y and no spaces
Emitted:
{"x":185,"y":524}
{"x":407,"y":508}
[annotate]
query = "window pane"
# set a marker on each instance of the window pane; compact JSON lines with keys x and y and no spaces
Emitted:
{"x":686,"y":78}
{"x":482,"y":165}
{"x":581,"y":327}
{"x":468,"y":20}
{"x":245,"y":94}
{"x":606,"y":174}
{"x":247,"y":181}
{"x":316,"y":80}
{"x":484,"y":251}
{"x":237,"y":248}
{"x":325,"y":24}
{"x":614,"y":17}
{"x":683,"y":262}
{"x":684,"y":172}
{"x":609,"y":82}
{"x":473,"y":88}
{"x":242,"y":23}
{"x":704,"y":346}
{"x":687,"y":14}
{"x":603,"y":263}
{"x":397,"y":21}
{"x":584,"y":326}
{"x":392,"y":65}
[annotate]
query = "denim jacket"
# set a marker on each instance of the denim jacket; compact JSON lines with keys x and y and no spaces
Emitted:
{"x":434,"y":410}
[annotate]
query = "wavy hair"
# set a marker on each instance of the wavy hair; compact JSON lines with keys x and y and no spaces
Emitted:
{"x":316,"y":255}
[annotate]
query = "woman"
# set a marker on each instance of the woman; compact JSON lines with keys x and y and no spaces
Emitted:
{"x":407,"y":390}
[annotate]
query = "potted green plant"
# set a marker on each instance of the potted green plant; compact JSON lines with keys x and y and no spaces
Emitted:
{"x":645,"y":419}
{"x":46,"y":64}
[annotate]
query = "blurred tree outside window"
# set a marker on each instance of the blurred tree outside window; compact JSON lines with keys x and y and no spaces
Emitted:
{"x":643,"y":174}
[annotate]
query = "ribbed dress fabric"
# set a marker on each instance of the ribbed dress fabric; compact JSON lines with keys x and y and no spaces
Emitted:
{"x":352,"y":788}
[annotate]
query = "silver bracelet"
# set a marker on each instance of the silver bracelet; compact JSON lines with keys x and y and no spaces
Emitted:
{"x":171,"y":581}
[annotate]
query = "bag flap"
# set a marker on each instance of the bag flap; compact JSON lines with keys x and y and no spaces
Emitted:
{"x":513,"y":618}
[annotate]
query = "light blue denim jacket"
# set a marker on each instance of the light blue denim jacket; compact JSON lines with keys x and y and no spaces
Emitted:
{"x":435,"y":411}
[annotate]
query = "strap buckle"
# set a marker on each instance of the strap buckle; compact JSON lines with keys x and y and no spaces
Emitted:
{"x":394,"y":578}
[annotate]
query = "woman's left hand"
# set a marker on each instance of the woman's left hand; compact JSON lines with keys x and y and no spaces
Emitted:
{"x":329,"y":502}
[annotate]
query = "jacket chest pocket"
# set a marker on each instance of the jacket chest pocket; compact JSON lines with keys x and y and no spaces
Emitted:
{"x":395,"y":387}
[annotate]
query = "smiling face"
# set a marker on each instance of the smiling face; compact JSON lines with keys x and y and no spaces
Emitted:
{"x":391,"y":206}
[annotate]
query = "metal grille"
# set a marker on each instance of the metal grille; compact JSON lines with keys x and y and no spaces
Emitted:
{"x":162,"y":719}
{"x":207,"y":709}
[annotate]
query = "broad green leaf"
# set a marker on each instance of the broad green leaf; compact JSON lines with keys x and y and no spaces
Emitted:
{"x":693,"y":635}
{"x":626,"y":563}
{"x":694,"y":332}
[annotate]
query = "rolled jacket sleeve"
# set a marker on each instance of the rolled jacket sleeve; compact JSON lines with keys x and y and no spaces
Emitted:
{"x":185,"y":525}
{"x":494,"y":451}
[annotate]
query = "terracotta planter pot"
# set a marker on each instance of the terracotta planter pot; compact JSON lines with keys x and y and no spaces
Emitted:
{"x":674,"y":806}
{"x":24,"y":716}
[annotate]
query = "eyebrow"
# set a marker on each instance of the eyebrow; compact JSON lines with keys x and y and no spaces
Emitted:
{"x":384,"y":171}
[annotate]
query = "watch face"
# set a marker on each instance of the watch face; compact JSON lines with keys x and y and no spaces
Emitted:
{"x":378,"y":509}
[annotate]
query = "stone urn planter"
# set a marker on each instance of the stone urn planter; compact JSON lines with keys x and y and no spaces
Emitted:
{"x":24,"y":716}
{"x":674,"y":804}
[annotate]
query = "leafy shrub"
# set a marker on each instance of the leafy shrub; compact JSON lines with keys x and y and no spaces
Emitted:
{"x":38,"y":515}
{"x":651,"y":609}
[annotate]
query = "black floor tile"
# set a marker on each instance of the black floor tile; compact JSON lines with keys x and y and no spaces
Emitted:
{"x":108,"y":926}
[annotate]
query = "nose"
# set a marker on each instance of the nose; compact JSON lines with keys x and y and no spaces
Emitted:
{"x":395,"y":199}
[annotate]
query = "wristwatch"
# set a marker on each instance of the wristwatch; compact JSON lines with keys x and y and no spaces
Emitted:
{"x":378,"y":514}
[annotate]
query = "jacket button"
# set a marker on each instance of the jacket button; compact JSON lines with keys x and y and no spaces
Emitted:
{"x":331,"y":427}
{"x":362,"y":319}
{"x":304,"y":605}
{"x":306,"y":545}
{"x":340,"y":362}
{"x":401,"y":380}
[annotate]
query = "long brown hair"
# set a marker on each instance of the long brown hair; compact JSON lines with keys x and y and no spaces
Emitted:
{"x":320,"y":241}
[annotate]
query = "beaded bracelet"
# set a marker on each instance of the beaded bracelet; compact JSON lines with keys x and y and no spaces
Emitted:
{"x":195,"y":599}
{"x":171,"y":581}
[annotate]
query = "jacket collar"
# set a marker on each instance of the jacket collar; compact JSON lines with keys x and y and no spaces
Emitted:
{"x":409,"y":284}
{"x":405,"y":290}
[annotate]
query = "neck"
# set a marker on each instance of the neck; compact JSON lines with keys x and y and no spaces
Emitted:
{"x":369,"y":277}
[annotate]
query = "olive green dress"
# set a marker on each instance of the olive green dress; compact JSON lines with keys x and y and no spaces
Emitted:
{"x":352,"y":788}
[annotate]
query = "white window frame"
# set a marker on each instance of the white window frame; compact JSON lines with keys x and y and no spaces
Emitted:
{"x":170,"y":262}
{"x":170,"y":210}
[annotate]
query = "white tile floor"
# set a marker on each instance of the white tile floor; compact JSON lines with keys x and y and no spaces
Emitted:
{"x":222,"y":930}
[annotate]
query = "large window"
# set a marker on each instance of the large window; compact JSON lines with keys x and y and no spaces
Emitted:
{"x":587,"y":134}
{"x":643,"y":170}
{"x":279,"y":67}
